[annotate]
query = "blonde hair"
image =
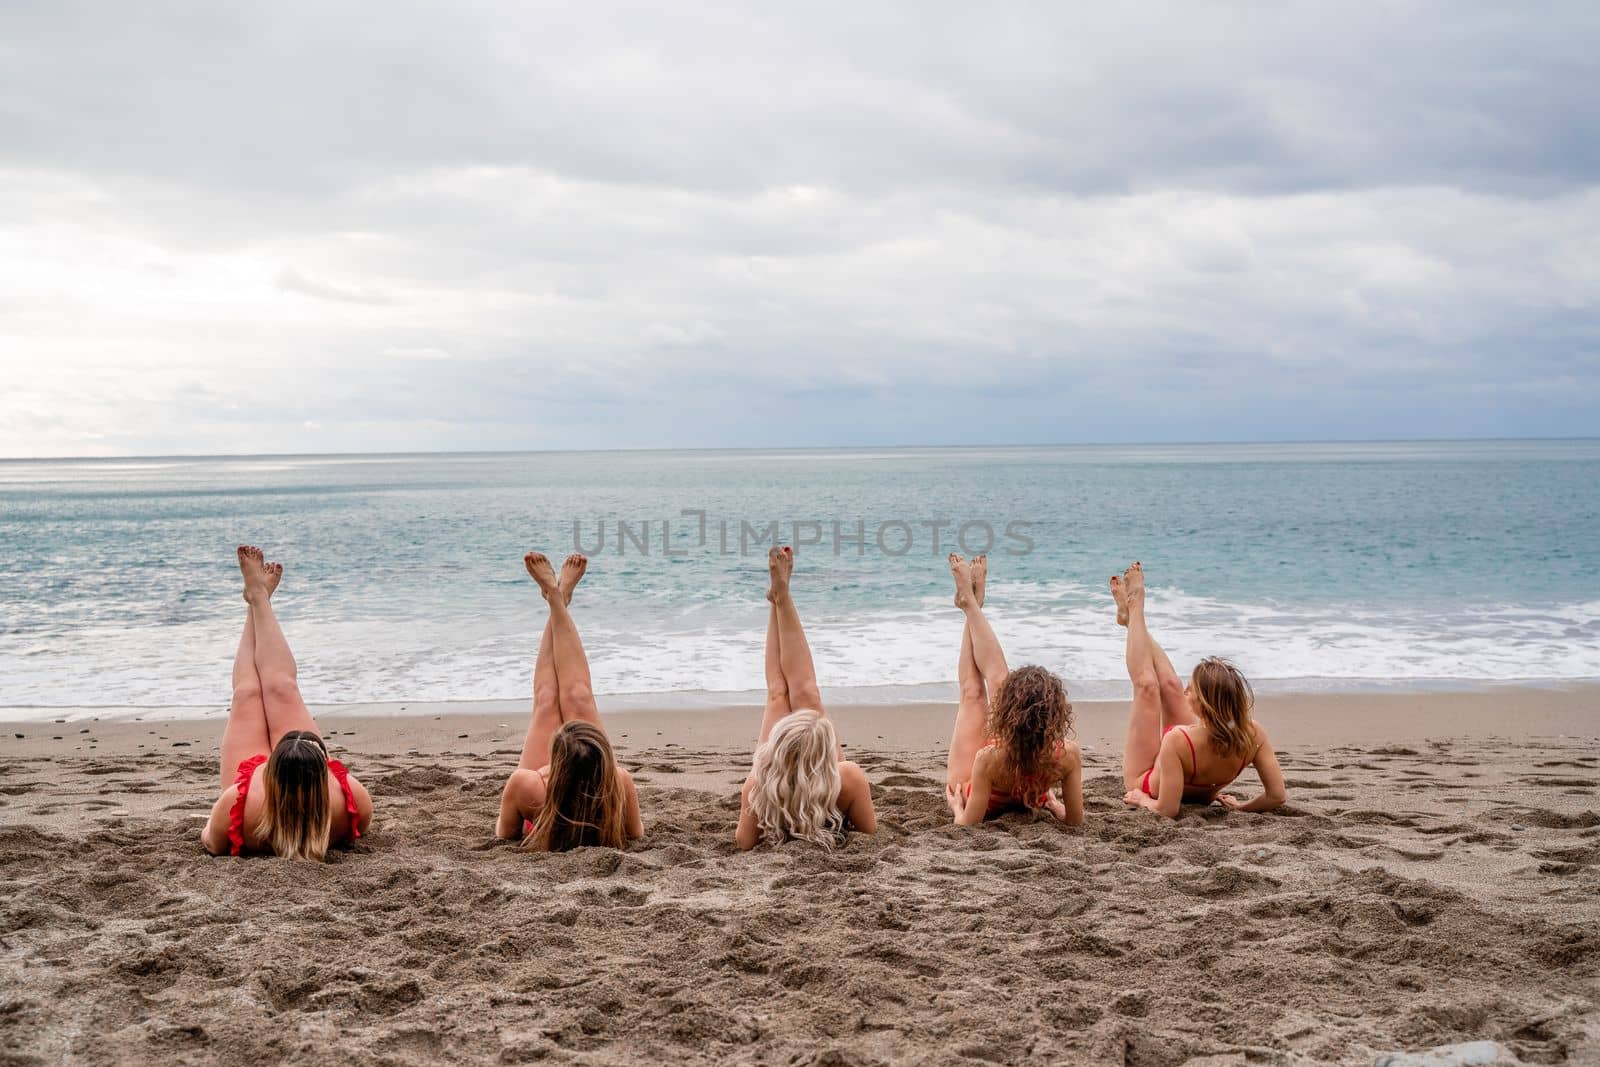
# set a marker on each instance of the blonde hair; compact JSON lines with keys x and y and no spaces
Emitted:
{"x":796,"y":781}
{"x":583,"y":799}
{"x":297,"y":819}
{"x":1225,"y":700}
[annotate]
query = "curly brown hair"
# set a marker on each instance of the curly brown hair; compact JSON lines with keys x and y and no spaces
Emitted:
{"x":1030,"y":715}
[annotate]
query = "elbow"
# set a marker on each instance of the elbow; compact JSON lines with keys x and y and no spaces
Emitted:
{"x":1276,"y":799}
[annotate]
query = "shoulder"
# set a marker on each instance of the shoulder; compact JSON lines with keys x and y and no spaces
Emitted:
{"x":227,"y":799}
{"x":1258,"y":735}
{"x":851,"y":776}
{"x":987,"y":759}
{"x":1071,"y":756}
{"x":1179,"y":739}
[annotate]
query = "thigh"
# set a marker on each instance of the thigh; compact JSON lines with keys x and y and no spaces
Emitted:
{"x":245,"y":735}
{"x":1143,"y":742}
{"x":286,"y":710}
{"x":776,"y":709}
{"x":966,"y":738}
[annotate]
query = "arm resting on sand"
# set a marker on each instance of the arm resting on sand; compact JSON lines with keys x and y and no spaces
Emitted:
{"x":214,"y":835}
{"x":748,"y":833}
{"x":635,"y":820}
{"x":855,"y":796}
{"x":980,"y":788}
{"x":1071,"y":811}
{"x":1169,"y":780}
{"x":1274,"y":790}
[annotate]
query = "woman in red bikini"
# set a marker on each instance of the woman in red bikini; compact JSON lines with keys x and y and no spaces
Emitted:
{"x":568,"y":789}
{"x":1009,"y":749}
{"x":1187,"y":743}
{"x":280,"y":791}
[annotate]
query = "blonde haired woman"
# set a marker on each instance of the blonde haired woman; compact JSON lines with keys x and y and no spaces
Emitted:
{"x":568,"y":789}
{"x":280,"y":792}
{"x":800,"y":785}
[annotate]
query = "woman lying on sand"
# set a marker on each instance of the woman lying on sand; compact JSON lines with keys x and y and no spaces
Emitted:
{"x":1187,"y":742}
{"x":568,"y":789}
{"x":800,"y":784}
{"x":301,"y":801}
{"x":1009,"y":748}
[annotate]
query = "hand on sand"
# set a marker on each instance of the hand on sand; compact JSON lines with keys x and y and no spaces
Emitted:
{"x":1135,"y":798}
{"x":1229,"y":801}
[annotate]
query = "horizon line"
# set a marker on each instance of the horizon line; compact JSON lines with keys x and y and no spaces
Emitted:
{"x":787,"y":448}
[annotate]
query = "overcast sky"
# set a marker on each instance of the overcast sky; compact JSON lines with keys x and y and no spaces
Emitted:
{"x":249,"y":227}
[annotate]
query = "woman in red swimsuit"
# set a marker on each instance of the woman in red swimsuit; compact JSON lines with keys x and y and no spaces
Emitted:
{"x":1009,"y":748}
{"x":280,"y":791}
{"x":568,"y":789}
{"x":1186,"y":743}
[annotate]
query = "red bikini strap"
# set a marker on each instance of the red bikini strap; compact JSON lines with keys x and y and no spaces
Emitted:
{"x":343,"y":778}
{"x":241,"y":782}
{"x":1194,"y":759}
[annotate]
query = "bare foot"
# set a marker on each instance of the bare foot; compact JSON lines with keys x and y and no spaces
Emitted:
{"x":1120,"y":595}
{"x":572,"y":572}
{"x":961,"y":570}
{"x":539,"y":570}
{"x":780,"y":567}
{"x":980,"y":578}
{"x":1133,"y":584}
{"x":258,"y":582}
{"x":274,"y":576}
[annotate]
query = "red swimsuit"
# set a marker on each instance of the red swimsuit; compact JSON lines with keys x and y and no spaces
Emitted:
{"x":247,"y":770}
{"x":1188,"y":781}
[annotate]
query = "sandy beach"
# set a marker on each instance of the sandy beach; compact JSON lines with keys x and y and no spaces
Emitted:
{"x":1433,"y":880}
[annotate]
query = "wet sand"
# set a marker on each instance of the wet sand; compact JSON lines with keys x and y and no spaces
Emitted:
{"x":1433,"y":880}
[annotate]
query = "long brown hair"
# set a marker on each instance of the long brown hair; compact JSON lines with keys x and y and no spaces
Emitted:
{"x":1225,"y":700}
{"x":583,"y":800}
{"x":297,"y":819}
{"x":1029,"y":716}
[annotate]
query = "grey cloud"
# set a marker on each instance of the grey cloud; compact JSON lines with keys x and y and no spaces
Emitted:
{"x":499,"y":226}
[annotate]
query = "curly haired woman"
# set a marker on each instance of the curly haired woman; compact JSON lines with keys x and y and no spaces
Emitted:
{"x":1009,"y":749}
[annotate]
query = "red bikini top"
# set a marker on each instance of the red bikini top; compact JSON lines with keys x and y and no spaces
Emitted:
{"x":1188,"y":779}
{"x":241,"y":780}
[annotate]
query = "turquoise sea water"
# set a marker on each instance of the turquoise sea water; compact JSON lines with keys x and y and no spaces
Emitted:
{"x":1313,"y":565}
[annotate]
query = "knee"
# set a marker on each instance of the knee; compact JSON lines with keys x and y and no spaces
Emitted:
{"x":280,"y":688}
{"x":777,"y":691}
{"x":1171,"y":689}
{"x":1146,"y":685}
{"x":575,"y":695}
{"x":545,"y":704}
{"x":972,"y":690}
{"x":247,"y":693}
{"x":808,"y":697}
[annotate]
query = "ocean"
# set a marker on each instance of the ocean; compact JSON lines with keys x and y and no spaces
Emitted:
{"x":1314,"y":566}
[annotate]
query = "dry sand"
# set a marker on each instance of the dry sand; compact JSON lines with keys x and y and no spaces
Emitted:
{"x":1434,"y":880}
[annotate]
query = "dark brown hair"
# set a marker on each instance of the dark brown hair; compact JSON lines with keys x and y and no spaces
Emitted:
{"x":1225,"y":700}
{"x":583,"y":800}
{"x":1029,"y":716}
{"x":297,"y":818}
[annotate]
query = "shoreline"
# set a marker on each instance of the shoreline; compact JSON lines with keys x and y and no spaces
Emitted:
{"x":1316,"y":721}
{"x":1560,"y":692}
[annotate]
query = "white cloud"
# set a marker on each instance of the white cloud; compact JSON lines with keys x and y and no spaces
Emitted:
{"x":512,"y":228}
